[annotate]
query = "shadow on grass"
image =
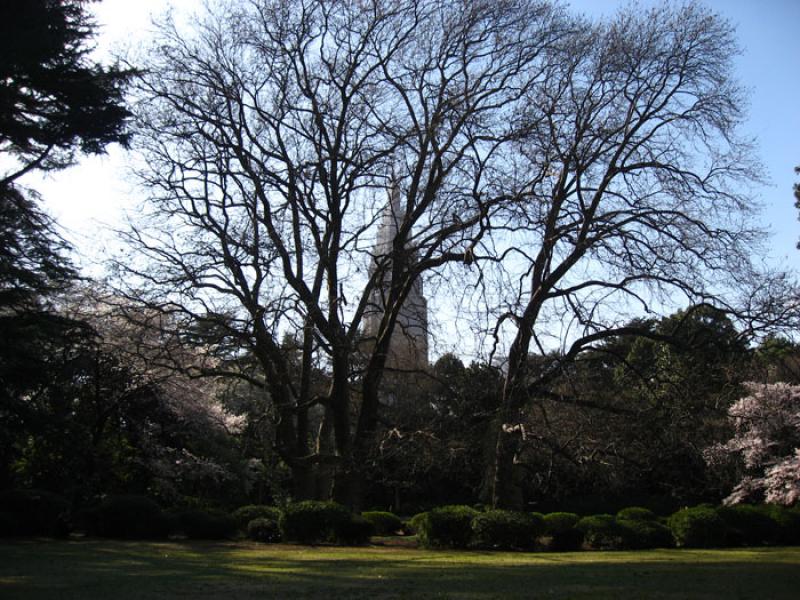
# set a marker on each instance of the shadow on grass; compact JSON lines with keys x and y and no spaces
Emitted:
{"x":103,"y":569}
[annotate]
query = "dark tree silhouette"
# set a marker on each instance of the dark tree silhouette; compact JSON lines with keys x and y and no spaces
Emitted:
{"x":54,"y":100}
{"x":573,"y":173}
{"x":54,"y":103}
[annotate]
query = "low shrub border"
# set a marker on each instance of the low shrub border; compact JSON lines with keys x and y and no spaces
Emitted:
{"x":600,"y":532}
{"x":312,"y":521}
{"x":264,"y":530}
{"x":506,"y":530}
{"x":383,"y":523}
{"x":560,"y":527}
{"x":445,"y":527}
{"x":244,"y":514}
{"x":698,"y":527}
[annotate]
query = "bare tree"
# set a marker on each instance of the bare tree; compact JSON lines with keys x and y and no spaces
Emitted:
{"x":572,"y":174}
{"x":267,"y":135}
{"x":633,"y":198}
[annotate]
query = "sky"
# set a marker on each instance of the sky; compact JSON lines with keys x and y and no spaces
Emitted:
{"x":92,"y":196}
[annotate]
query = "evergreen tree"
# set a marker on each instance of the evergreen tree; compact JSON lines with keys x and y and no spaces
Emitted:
{"x":55,"y":102}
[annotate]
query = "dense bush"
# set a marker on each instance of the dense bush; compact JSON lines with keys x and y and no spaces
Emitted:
{"x":506,"y":529}
{"x":446,"y":526}
{"x":636,"y":513}
{"x":312,"y":521}
{"x":560,"y":527}
{"x":204,"y":525}
{"x":264,"y":530}
{"x":8,"y":524}
{"x":640,"y":534}
{"x":787,"y":523}
{"x":34,"y":512}
{"x":128,"y":517}
{"x":600,"y":531}
{"x":748,"y":525}
{"x":412,"y":525}
{"x":698,"y":527}
{"x":244,"y":514}
{"x":355,"y":530}
{"x":383,"y":523}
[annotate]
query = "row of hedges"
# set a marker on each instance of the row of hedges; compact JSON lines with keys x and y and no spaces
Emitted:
{"x":636,"y":528}
{"x":31,"y":512}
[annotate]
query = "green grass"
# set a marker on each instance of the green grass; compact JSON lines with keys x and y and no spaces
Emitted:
{"x":125,"y":570}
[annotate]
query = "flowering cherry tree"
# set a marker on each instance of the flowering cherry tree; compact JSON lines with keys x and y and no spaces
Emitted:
{"x":766,"y":441}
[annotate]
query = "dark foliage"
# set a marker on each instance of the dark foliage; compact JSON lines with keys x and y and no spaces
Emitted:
{"x":244,"y":514}
{"x":640,"y":534}
{"x":433,"y":453}
{"x":636,"y":513}
{"x":204,"y":525}
{"x":32,"y":254}
{"x":384,"y":523}
{"x":53,"y":99}
{"x":561,"y":528}
{"x":600,"y":531}
{"x":128,"y":517}
{"x":264,"y":529}
{"x":8,"y":524}
{"x":445,"y":527}
{"x":787,"y":523}
{"x":33,"y":512}
{"x":355,"y":530}
{"x":509,"y":530}
{"x":54,"y":102}
{"x":698,"y":527}
{"x":748,"y":525}
{"x":311,"y":521}
{"x":413,"y":525}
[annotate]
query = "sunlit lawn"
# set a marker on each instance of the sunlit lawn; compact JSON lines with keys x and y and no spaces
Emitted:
{"x":122,"y":570}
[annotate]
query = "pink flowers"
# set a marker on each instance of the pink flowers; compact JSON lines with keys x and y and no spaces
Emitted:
{"x":767,"y":442}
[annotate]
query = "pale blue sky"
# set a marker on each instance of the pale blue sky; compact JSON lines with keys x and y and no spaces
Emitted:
{"x":769,"y":34}
{"x":96,"y":191}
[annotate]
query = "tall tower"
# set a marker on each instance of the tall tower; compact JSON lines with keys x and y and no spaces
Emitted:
{"x":408,"y":347}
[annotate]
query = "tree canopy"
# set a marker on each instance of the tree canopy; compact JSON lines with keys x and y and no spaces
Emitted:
{"x":561,"y":173}
{"x":54,"y":100}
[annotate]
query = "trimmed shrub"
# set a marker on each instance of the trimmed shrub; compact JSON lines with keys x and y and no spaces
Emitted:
{"x":445,"y":527}
{"x":787,"y":523}
{"x":129,"y":517}
{"x":412,"y":525}
{"x":697,"y":527}
{"x":600,"y":531}
{"x":560,"y":527}
{"x":504,"y":529}
{"x":353,"y":531}
{"x":747,"y":525}
{"x":383,"y":523}
{"x":641,"y":534}
{"x":8,"y":524}
{"x":264,"y":530}
{"x":205,"y":525}
{"x":34,"y":512}
{"x":244,"y":514}
{"x":636,"y":513}
{"x":311,"y":521}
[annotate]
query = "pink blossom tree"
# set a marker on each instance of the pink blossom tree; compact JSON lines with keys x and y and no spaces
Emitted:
{"x":766,"y":444}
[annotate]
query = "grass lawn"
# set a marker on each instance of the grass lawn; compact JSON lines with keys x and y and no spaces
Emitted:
{"x":34,"y":569}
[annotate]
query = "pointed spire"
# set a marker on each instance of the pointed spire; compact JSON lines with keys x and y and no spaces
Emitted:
{"x":392,"y":216}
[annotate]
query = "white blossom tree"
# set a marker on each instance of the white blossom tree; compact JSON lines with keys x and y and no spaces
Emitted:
{"x":766,"y":444}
